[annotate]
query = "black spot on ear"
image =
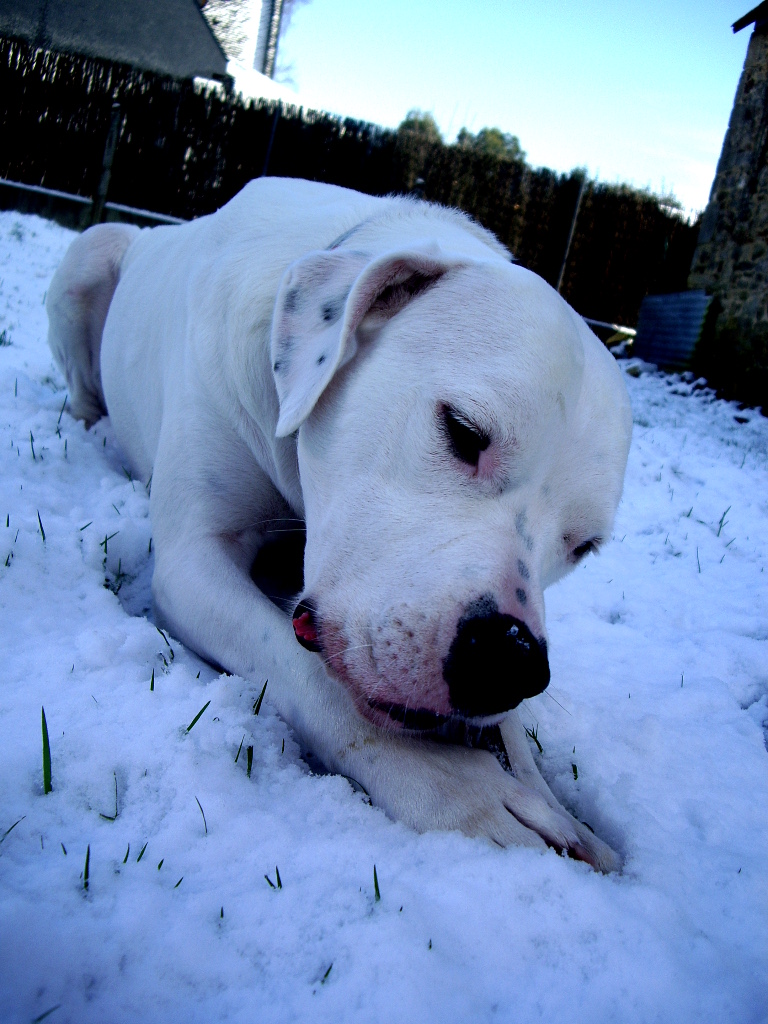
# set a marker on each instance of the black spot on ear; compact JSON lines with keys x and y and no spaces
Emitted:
{"x":522,"y":568}
{"x":331,"y":310}
{"x":292,"y":299}
{"x":277,"y":366}
{"x":522,"y":597}
{"x":321,"y":359}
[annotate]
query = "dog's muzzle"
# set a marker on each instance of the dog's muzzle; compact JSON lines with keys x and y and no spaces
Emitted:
{"x":494,"y":663}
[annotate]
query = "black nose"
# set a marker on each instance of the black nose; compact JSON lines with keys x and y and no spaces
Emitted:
{"x":494,"y":663}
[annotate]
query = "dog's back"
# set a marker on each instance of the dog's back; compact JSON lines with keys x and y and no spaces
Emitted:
{"x":77,"y":305}
{"x":273,"y":220}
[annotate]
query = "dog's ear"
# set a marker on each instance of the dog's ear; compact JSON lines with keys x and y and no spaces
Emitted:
{"x":323,"y":299}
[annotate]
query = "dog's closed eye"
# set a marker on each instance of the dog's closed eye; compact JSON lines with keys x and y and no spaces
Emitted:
{"x":589,"y":546}
{"x":467,"y":442}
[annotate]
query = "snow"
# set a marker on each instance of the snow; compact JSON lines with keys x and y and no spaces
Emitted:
{"x":253,"y":85}
{"x":659,"y":698}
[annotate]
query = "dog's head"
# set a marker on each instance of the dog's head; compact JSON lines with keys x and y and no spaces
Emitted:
{"x":462,"y":444}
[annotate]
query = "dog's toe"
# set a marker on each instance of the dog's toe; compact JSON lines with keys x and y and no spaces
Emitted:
{"x":504,"y":829}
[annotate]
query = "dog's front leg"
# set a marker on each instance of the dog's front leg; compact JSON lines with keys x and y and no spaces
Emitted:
{"x":521,"y":759}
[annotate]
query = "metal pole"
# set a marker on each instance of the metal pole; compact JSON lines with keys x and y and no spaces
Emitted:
{"x":275,"y":119}
{"x":572,"y":233}
{"x":97,"y":212}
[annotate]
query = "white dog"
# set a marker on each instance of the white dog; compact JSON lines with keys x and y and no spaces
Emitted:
{"x":448,"y":429}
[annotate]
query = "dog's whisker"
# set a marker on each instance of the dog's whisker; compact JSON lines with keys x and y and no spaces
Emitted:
{"x":344,"y":650}
{"x":557,"y":702}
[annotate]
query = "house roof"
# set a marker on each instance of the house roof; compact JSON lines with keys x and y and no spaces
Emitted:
{"x":758,"y":15}
{"x":167,"y":36}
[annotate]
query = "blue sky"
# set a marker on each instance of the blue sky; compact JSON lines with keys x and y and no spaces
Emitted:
{"x":635,"y":91}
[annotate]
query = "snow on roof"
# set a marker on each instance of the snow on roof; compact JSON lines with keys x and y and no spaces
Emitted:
{"x":253,"y":85}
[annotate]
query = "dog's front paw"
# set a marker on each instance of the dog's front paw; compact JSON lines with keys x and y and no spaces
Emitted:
{"x":561,"y":830}
{"x":436,"y":786}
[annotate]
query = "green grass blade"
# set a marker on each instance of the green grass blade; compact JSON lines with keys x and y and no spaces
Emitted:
{"x":86,"y":869}
{"x":47,"y":787}
{"x":13,"y":826}
{"x":249,"y":754}
{"x":141,"y":852}
{"x":197,"y":716}
{"x":533,"y":733}
{"x":203,"y":814}
{"x":47,"y":1013}
{"x":167,"y":642}
{"x":257,"y":703}
{"x":111,"y":817}
{"x":376,"y":893}
{"x":237,"y":755}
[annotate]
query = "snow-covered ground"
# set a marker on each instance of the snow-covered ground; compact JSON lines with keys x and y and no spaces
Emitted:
{"x":659,"y":704}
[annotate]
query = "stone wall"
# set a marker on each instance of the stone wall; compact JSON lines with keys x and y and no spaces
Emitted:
{"x":731,"y":258}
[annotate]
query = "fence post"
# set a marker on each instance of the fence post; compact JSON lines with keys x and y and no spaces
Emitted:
{"x":275,"y":119}
{"x":97,"y":211}
{"x":582,"y":190}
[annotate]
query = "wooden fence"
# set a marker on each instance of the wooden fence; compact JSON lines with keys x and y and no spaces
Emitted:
{"x":183,"y":150}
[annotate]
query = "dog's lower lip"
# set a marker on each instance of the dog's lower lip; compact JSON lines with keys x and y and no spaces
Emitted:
{"x":424,"y":720}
